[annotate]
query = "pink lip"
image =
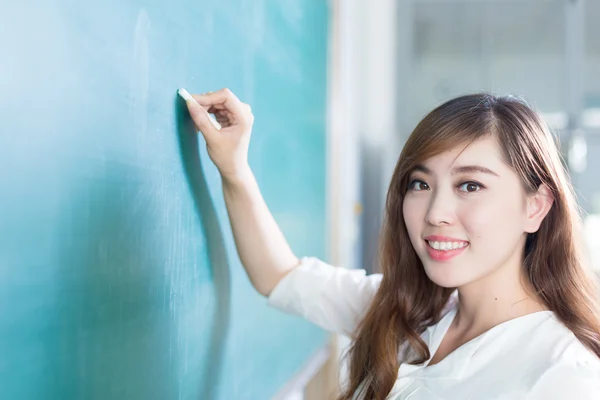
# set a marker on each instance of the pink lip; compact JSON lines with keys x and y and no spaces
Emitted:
{"x":443,"y":255}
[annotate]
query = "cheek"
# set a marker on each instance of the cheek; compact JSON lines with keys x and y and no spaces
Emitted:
{"x":414,"y":216}
{"x":492,"y":218}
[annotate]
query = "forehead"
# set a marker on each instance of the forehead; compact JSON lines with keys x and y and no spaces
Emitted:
{"x":485,"y":152}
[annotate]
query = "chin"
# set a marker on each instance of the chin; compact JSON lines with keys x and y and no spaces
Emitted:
{"x":444,"y":276}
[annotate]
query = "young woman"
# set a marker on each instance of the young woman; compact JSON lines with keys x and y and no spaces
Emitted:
{"x":484,"y":291}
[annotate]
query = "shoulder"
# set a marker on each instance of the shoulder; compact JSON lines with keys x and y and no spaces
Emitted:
{"x":572,"y":370}
{"x":579,"y":380}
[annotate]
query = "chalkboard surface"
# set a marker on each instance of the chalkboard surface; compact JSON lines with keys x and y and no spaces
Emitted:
{"x":119,"y":277}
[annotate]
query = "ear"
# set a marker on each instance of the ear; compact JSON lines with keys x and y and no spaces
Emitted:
{"x":538,"y":206}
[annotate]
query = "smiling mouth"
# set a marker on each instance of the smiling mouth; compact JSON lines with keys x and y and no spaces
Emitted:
{"x":446,"y":246}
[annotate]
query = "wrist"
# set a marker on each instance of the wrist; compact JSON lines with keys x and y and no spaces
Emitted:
{"x":239,"y":176}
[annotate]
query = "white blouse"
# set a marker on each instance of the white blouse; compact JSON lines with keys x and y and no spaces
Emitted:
{"x":532,"y":357}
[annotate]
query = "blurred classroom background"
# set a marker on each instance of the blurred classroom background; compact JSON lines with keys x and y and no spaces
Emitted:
{"x":119,"y":278}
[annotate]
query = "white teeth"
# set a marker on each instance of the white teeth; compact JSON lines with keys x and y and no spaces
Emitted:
{"x":445,"y":246}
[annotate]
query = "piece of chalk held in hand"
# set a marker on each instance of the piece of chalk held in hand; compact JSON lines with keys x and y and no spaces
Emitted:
{"x":188,"y":97}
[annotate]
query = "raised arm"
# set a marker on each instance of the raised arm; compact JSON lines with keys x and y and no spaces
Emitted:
{"x":262,"y":248}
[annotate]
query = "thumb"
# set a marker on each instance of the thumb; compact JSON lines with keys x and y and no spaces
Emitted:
{"x":202,"y":120}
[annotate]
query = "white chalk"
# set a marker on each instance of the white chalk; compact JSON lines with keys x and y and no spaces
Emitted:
{"x":187,"y":97}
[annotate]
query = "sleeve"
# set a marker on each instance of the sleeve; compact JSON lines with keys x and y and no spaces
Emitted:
{"x":581,"y":382}
{"x":333,"y":298}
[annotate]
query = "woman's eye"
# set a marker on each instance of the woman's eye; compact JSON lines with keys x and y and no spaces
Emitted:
{"x":418,"y":185}
{"x":470,"y":187}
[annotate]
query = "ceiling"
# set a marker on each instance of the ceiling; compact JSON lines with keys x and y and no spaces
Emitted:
{"x":500,"y":26}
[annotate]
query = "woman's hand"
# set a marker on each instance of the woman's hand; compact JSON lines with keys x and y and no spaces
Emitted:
{"x":228,"y":146}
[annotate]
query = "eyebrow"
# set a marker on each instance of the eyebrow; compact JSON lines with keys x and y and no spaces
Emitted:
{"x":460,"y":169}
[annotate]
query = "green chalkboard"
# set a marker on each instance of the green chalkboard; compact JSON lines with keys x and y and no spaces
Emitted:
{"x":119,"y":277}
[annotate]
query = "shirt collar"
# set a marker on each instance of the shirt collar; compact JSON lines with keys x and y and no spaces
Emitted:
{"x":454,"y":365}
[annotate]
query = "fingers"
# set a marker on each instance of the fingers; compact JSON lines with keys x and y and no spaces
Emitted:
{"x":223,"y":99}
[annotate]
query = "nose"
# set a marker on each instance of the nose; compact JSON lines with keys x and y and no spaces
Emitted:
{"x":441,"y":209}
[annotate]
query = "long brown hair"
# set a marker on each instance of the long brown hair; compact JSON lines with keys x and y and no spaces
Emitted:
{"x":407,"y":302}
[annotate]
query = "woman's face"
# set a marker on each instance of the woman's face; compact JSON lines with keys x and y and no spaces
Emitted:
{"x":465,"y":212}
